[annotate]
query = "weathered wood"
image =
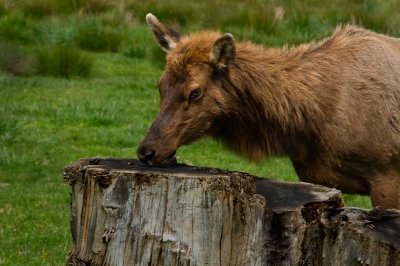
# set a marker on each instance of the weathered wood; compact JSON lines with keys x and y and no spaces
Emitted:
{"x":360,"y":237}
{"x":129,"y":215}
{"x":125,"y":213}
{"x":294,"y":232}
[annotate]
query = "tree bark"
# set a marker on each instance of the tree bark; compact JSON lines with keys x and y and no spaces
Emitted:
{"x":125,"y":213}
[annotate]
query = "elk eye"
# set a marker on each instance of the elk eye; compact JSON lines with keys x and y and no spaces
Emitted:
{"x":195,"y":94}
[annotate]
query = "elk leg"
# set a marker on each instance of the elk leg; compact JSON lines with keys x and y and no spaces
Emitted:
{"x":385,"y":190}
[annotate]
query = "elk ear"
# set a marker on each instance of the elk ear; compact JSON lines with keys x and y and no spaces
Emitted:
{"x":223,"y":51}
{"x":166,"y":37}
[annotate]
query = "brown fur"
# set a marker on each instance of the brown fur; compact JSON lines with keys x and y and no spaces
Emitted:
{"x":333,"y":107}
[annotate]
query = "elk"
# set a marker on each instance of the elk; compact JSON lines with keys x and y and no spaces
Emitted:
{"x":332,"y":107}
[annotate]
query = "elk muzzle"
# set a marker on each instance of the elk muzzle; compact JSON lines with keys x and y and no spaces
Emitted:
{"x":145,"y":154}
{"x":149,"y":155}
{"x":153,"y":151}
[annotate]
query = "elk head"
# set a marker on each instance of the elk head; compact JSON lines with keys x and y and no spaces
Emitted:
{"x":193,"y":93}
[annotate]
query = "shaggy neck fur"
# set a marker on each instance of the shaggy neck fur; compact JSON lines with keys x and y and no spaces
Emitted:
{"x":280,"y":99}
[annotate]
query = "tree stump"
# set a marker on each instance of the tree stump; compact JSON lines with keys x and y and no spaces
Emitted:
{"x":361,"y":237}
{"x":125,"y":213}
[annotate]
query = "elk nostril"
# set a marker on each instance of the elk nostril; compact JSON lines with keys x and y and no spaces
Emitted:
{"x":145,"y":154}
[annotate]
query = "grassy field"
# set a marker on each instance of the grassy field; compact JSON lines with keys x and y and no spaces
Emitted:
{"x":79,"y":79}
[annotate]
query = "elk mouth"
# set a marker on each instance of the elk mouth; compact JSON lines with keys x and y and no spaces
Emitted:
{"x":149,"y":156}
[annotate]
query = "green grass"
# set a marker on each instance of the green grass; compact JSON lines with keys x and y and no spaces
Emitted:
{"x":15,"y":61}
{"x":93,"y":35}
{"x":47,"y":122}
{"x":63,"y":61}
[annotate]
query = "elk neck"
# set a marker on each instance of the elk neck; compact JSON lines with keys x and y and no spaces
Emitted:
{"x":278,"y":97}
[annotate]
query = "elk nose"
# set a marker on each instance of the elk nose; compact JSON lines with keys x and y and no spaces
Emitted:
{"x":145,"y":154}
